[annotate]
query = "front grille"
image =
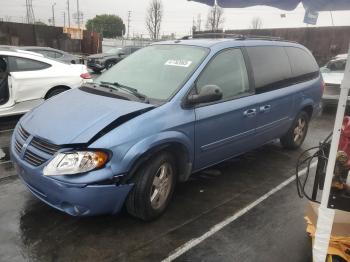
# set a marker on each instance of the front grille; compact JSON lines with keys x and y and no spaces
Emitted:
{"x":37,"y":152}
{"x":18,"y":147}
{"x":44,"y":146}
{"x":23,"y":133}
{"x":33,"y":158}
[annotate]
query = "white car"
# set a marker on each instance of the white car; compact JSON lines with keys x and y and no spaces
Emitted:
{"x":333,"y":74}
{"x":27,"y":79}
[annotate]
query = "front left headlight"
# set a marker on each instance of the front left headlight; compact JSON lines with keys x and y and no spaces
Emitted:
{"x":70,"y":163}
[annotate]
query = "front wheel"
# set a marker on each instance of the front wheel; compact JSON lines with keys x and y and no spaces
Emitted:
{"x":154,"y":184}
{"x":297,"y":133}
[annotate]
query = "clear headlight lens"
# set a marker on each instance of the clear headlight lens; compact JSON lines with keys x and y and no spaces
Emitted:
{"x":71,"y":163}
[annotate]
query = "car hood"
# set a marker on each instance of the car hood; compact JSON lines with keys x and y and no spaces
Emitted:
{"x":333,"y":78}
{"x":76,"y":116}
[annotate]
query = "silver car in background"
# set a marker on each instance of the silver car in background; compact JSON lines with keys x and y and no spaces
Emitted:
{"x":53,"y":53}
{"x":333,"y":74}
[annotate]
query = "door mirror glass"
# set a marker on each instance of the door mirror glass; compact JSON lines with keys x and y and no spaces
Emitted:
{"x":207,"y":94}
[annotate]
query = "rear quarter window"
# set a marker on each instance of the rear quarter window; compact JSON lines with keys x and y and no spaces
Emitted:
{"x":19,"y":64}
{"x":303,"y":64}
{"x":270,"y":66}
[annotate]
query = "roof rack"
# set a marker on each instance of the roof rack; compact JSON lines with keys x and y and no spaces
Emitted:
{"x":235,"y":36}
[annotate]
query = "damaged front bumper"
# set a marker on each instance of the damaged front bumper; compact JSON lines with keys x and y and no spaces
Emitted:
{"x":73,"y":199}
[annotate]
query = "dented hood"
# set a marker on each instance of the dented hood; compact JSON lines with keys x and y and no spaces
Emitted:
{"x":76,"y":116}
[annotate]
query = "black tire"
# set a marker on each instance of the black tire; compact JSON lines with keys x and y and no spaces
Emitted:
{"x":139,"y":202}
{"x":295,"y":136}
{"x":109,"y":65}
{"x":55,"y":92}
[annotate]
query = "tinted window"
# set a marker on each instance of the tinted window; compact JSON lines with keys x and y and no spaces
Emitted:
{"x":228,"y":71}
{"x":302,"y":62}
{"x":23,"y":64}
{"x":3,"y":69}
{"x":270,"y":67}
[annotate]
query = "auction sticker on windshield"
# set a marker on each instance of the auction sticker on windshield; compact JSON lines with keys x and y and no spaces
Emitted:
{"x":174,"y":62}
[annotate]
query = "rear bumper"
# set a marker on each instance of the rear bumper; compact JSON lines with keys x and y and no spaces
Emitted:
{"x":73,"y":199}
{"x":332,"y":100}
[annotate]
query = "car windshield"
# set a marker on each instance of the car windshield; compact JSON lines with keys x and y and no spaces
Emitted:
{"x":114,"y":51}
{"x":157,"y":71}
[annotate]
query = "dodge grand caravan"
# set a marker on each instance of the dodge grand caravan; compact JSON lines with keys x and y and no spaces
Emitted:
{"x":163,"y":113}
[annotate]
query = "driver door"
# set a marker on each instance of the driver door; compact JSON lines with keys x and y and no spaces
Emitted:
{"x":225,"y":128}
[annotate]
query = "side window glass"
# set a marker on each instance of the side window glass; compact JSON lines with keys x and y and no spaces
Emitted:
{"x":58,"y":55}
{"x":228,"y":71}
{"x":19,"y":64}
{"x":302,"y":62}
{"x":3,"y":69}
{"x":271,"y":68}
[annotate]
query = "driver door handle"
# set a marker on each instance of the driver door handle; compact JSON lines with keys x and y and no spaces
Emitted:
{"x":250,"y":112}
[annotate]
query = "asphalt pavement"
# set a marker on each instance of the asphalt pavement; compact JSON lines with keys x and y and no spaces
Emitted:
{"x":272,"y":230}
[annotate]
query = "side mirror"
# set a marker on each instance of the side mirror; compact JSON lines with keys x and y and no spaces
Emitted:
{"x":325,"y":70}
{"x":208,"y":93}
{"x":121,"y":54}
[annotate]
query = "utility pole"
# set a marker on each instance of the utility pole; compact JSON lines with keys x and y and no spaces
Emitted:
{"x":53,"y":14}
{"x":129,"y":19}
{"x":64,"y":18}
{"x":68,"y":10}
{"x":78,"y":14}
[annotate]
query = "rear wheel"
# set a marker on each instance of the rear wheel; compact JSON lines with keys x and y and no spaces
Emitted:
{"x":55,"y":92}
{"x":297,"y":133}
{"x":154,"y":185}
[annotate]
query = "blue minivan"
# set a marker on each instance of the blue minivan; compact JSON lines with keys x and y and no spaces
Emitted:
{"x":163,"y":113}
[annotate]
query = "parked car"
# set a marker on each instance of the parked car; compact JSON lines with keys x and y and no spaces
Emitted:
{"x":27,"y":79}
{"x":194,"y":103}
{"x":333,"y":74}
{"x":53,"y":53}
{"x":106,"y":60}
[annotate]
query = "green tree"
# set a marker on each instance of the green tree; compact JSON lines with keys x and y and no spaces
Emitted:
{"x":108,"y":25}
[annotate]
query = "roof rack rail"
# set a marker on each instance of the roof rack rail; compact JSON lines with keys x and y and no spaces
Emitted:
{"x":235,"y":36}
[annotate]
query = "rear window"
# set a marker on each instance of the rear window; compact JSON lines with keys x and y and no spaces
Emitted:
{"x":270,"y":67}
{"x":302,"y":62}
{"x":18,"y":64}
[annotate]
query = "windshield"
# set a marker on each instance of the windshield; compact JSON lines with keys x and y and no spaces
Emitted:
{"x":113,"y":51}
{"x":156,"y":71}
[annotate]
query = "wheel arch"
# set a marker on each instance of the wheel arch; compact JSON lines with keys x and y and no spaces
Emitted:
{"x":55,"y":88}
{"x":179,"y":148}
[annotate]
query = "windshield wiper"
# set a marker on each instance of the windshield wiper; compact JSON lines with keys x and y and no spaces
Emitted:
{"x":131,"y":90}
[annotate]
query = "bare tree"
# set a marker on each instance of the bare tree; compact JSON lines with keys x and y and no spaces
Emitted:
{"x":154,"y":18}
{"x":215,"y":18}
{"x":256,"y":23}
{"x":199,"y":22}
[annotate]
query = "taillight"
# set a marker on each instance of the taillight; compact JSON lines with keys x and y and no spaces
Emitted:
{"x":323,"y":85}
{"x":85,"y":76}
